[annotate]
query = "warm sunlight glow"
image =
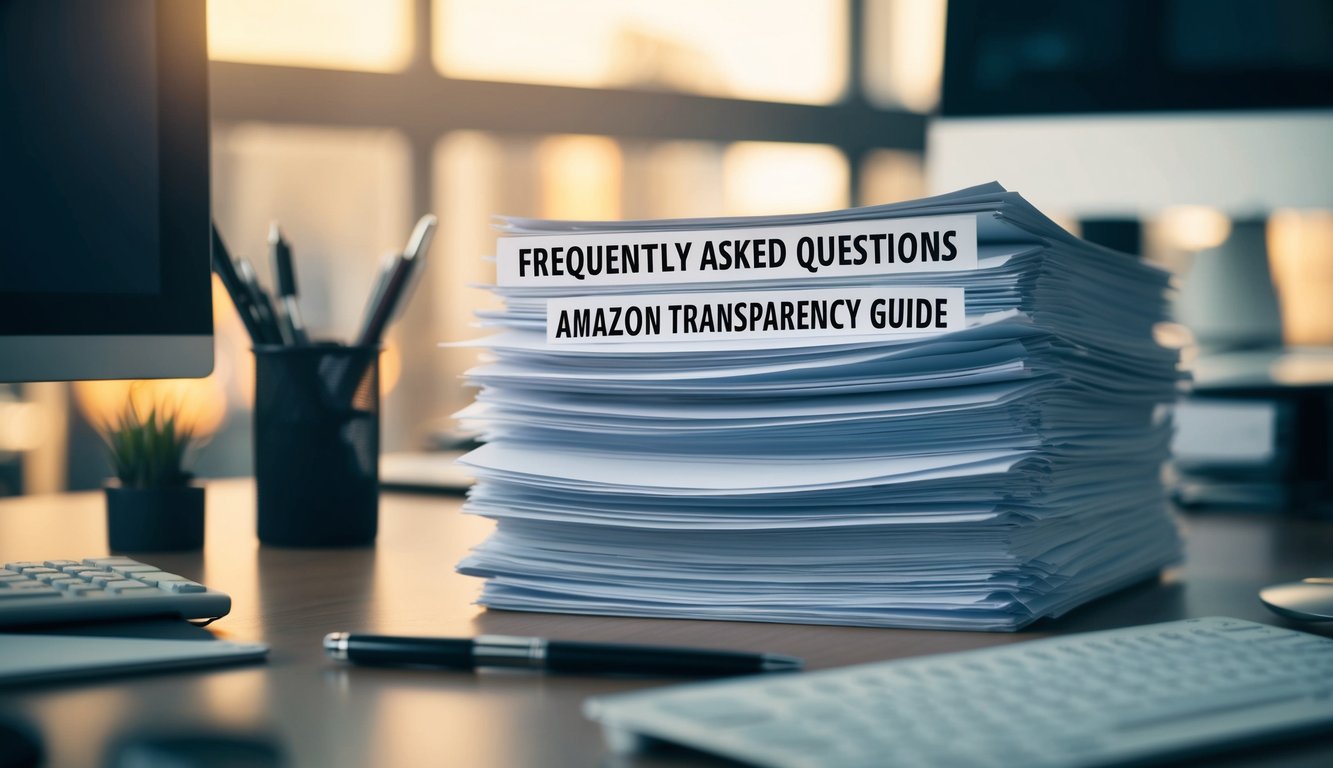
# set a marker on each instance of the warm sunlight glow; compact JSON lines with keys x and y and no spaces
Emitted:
{"x":233,"y":362}
{"x":23,"y":425}
{"x":1300,"y":254}
{"x":891,"y":176}
{"x":1194,"y":227}
{"x":769,"y":177}
{"x":683,"y":179}
{"x":470,"y":186}
{"x":391,"y":367}
{"x":202,"y":402}
{"x":904,"y":53}
{"x":369,"y":35}
{"x":341,"y":195}
{"x":774,"y":50}
{"x":580,"y":177}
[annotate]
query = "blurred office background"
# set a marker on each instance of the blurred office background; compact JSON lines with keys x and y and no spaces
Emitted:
{"x":346,"y":119}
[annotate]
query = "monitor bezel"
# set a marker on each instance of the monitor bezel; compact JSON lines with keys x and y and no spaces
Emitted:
{"x":55,"y":336}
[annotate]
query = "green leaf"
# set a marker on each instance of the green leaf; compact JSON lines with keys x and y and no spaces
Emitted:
{"x":149,"y":450}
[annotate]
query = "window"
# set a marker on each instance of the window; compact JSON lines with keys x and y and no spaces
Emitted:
{"x":347,"y":119}
{"x":904,"y":53}
{"x":774,"y":50}
{"x":369,"y":35}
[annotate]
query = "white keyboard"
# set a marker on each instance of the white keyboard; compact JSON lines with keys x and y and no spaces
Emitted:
{"x":100,"y":588}
{"x":1101,"y":698}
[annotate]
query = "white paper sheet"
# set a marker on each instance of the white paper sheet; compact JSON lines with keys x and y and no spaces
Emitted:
{"x":977,"y":479}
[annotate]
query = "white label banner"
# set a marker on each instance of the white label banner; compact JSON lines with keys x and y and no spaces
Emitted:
{"x":820,"y":315}
{"x":924,"y":244}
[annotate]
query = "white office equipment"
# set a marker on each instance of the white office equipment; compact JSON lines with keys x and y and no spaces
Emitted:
{"x":100,"y":588}
{"x":1221,"y":432}
{"x":1122,"y":696}
{"x":40,"y":658}
{"x":972,"y":478}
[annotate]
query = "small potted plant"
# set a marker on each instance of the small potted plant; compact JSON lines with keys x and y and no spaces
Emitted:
{"x":151,"y":505}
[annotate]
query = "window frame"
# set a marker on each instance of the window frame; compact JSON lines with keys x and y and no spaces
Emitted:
{"x":426,"y":105}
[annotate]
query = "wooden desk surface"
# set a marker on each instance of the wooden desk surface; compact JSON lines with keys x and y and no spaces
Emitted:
{"x":323,"y":714}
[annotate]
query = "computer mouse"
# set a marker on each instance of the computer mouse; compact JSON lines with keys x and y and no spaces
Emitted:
{"x":1304,"y":600}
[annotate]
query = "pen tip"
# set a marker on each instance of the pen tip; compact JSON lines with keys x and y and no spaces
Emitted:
{"x":335,"y":645}
{"x":274,"y":233}
{"x":776,"y":663}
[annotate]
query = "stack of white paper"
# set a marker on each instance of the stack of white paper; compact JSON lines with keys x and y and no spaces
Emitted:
{"x":974,"y":476}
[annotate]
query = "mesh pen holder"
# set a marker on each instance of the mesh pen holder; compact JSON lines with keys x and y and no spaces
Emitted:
{"x":317,"y":444}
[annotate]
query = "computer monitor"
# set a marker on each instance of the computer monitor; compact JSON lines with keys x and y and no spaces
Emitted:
{"x":104,"y":190}
{"x":1113,"y":112}
{"x":1121,"y":108}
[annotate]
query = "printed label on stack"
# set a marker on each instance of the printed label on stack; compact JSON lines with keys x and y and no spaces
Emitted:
{"x":926,"y":244}
{"x":816,"y":314}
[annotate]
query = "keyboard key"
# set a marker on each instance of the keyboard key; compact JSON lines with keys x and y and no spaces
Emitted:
{"x":126,"y":570}
{"x":1100,"y":698}
{"x":24,"y":584}
{"x":105,"y":561}
{"x":180,"y":587}
{"x":122,"y":587}
{"x":37,"y":590}
{"x":158,"y":577}
{"x":720,"y":712}
{"x":64,"y":590}
{"x":1154,"y":713}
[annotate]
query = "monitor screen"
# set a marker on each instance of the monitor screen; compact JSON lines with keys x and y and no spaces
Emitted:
{"x":1122,"y":108}
{"x":104,"y":190}
{"x":1053,"y":57}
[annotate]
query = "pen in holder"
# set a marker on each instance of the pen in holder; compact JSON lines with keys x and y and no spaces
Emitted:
{"x":316,"y":433}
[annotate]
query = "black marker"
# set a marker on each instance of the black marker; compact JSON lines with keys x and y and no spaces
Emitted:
{"x":262,"y":305}
{"x":288,"y":309}
{"x":236,"y":287}
{"x":551,"y":655}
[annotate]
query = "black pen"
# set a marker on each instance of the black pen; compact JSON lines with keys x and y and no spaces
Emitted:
{"x":236,"y":288}
{"x":397,"y":277}
{"x":372,"y":334}
{"x":413,"y":259}
{"x":290,"y":322}
{"x":552,"y":655}
{"x":263,"y":305}
{"x":417,"y":247}
{"x":386,"y":268}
